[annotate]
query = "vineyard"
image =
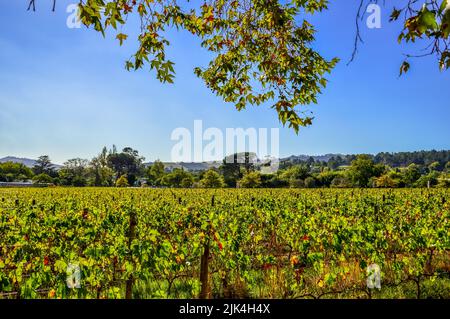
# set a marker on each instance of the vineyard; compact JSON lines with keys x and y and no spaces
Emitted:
{"x":227,"y":243}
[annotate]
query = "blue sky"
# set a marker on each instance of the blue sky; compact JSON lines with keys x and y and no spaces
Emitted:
{"x":64,"y":92}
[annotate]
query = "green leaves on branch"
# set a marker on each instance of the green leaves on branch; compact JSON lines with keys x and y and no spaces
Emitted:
{"x":261,"y":52}
{"x":121,"y":37}
{"x":404,"y":67}
{"x":431,"y":21}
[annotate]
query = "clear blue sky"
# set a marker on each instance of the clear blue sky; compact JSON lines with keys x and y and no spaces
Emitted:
{"x":64,"y":92}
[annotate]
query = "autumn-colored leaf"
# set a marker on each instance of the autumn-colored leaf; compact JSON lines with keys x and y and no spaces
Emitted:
{"x":121,"y":37}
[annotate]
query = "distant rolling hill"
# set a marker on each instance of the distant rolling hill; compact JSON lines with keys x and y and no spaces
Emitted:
{"x":188,"y":166}
{"x":169,"y":166}
{"x":200,"y":166}
{"x":304,"y":158}
{"x":25,"y":161}
{"x":392,"y":159}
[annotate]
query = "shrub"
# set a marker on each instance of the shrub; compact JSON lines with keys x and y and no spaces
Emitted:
{"x":122,"y":181}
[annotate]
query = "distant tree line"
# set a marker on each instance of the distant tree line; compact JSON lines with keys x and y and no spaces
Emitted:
{"x":126,"y":168}
{"x":106,"y":169}
{"x":400,"y":159}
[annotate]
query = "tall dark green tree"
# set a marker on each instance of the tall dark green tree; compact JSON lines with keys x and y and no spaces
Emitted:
{"x":100,"y":174}
{"x":128,"y":162}
{"x":411,"y":174}
{"x":74,"y":172}
{"x":250,"y":180}
{"x":155,"y":173}
{"x":178,"y":178}
{"x":362,"y":169}
{"x":234,"y":166}
{"x":44,"y":166}
{"x":11,"y":172}
{"x":212,"y":179}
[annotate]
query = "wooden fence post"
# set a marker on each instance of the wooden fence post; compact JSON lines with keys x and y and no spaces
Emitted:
{"x":131,"y":236}
{"x":204,"y":264}
{"x":204,"y":272}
